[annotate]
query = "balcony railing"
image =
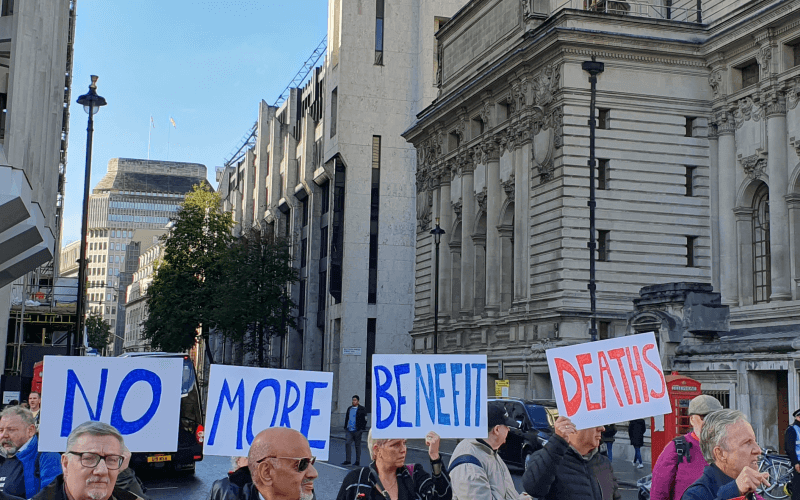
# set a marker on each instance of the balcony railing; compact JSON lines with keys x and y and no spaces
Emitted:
{"x":660,"y":10}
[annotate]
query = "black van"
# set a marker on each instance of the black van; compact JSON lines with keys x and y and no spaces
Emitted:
{"x":190,"y":427}
{"x":534,"y":423}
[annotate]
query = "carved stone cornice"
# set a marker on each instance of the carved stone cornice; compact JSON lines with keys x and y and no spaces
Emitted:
{"x":792,"y":92}
{"x":792,"y":200}
{"x":747,"y":109}
{"x":795,"y":143}
{"x":486,"y":109}
{"x":490,"y":150}
{"x":480,"y":198}
{"x":715,"y":81}
{"x":725,"y":123}
{"x":545,"y":84}
{"x":764,"y":58}
{"x":508,"y":187}
{"x":457,"y":208}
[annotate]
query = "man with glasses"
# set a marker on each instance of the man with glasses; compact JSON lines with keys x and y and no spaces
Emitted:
{"x":23,"y":470}
{"x":90,"y":466}
{"x":281,"y":466}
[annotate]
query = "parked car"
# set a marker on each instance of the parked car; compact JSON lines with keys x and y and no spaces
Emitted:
{"x":190,"y":423}
{"x":534,"y":419}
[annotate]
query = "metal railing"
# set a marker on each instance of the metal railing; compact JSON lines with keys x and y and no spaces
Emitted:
{"x":659,"y":10}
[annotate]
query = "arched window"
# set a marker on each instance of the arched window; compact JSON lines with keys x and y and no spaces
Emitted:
{"x":761,"y":258}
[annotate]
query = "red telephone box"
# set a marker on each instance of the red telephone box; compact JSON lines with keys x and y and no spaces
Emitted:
{"x":681,"y":391}
{"x":36,"y":385}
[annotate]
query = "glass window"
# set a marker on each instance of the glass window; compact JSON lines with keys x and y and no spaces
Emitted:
{"x":762,"y":286}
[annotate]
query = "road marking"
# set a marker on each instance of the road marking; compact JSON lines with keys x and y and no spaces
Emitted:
{"x":335,"y":466}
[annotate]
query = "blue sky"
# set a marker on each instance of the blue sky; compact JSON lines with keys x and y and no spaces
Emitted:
{"x":206,"y":63}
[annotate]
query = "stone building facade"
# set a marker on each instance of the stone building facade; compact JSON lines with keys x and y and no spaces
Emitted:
{"x":146,"y":249}
{"x":331,"y":171}
{"x":697,"y":111}
{"x":36,"y":42}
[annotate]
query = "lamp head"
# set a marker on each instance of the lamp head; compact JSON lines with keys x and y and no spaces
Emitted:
{"x":593,"y":67}
{"x":90,"y":101}
{"x":437,"y":232}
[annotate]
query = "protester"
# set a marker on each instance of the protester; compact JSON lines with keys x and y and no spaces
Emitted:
{"x":569,"y":466}
{"x":791,"y":443}
{"x":229,"y":488}
{"x":355,"y":421}
{"x":389,"y":478}
{"x":127,"y":480}
{"x":608,"y":438}
{"x":636,"y":430}
{"x":682,"y":462}
{"x":476,"y":471}
{"x":730,"y":446}
{"x":26,"y":470}
{"x":281,"y":466}
{"x":90,"y":466}
{"x":35,"y":402}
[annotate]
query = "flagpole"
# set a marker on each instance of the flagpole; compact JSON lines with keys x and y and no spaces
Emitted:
{"x":149,"y":133}
{"x":169,"y":132}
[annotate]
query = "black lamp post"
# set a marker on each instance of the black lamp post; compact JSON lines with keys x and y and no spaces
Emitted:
{"x":593,"y":68}
{"x":91,"y":103}
{"x":437,"y":233}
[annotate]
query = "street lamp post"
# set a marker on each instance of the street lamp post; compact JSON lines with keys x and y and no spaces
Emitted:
{"x":91,"y":103}
{"x":593,"y":68}
{"x":437,"y":233}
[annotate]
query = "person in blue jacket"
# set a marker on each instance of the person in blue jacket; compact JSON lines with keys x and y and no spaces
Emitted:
{"x":19,"y":442}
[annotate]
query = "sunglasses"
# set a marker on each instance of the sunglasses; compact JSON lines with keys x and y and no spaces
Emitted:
{"x":302,"y":463}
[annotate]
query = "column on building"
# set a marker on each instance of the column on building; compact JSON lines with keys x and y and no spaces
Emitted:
{"x":793,"y":204}
{"x":729,"y":269}
{"x":744,"y":240}
{"x":521,"y":226}
{"x":713,"y":176}
{"x":467,"y":245}
{"x":494,"y":200}
{"x":446,"y":223}
{"x":778,"y":171}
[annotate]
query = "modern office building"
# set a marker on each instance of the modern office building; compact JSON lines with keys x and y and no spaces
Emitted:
{"x":331,"y":171}
{"x":133,"y":195}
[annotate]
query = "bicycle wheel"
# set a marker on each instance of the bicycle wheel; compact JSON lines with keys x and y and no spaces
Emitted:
{"x":779,"y":475}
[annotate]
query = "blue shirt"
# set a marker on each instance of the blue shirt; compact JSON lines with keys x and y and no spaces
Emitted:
{"x":351,"y":418}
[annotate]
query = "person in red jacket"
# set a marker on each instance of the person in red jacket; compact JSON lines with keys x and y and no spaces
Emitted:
{"x":682,"y":463}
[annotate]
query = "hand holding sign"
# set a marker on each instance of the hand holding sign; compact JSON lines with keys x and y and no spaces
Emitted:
{"x":432,"y":442}
{"x":750,"y":480}
{"x":565,"y":428}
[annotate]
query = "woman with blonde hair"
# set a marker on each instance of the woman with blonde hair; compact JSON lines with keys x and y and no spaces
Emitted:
{"x":389,"y":478}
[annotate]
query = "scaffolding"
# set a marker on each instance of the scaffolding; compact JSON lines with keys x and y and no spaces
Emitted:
{"x":248,"y":140}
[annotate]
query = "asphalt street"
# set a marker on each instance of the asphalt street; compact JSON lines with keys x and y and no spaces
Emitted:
{"x":164,"y":485}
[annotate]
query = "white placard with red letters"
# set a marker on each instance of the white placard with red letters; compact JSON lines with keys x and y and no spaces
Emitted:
{"x":609,"y":381}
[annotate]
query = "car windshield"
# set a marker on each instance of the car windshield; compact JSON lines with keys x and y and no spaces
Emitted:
{"x":188,"y":376}
{"x":542,"y":417}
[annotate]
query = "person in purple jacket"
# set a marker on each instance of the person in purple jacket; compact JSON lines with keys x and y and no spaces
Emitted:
{"x":682,"y":463}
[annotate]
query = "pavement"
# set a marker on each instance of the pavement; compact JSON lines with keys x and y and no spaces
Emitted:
{"x":627,"y":474}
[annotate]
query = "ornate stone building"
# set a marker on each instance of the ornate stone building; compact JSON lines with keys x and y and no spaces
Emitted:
{"x":697,"y":175}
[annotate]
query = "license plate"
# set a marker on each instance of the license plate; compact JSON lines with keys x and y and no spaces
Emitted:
{"x":159,"y":458}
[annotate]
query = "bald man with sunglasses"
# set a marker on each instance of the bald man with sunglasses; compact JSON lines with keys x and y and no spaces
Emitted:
{"x":281,"y":466}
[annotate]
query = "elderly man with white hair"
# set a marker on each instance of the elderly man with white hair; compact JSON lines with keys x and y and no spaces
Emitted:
{"x":94,"y":457}
{"x":729,"y":445}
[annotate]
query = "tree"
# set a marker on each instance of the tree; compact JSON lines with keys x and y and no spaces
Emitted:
{"x":256,"y":304}
{"x":98,"y":332}
{"x":184,"y":292}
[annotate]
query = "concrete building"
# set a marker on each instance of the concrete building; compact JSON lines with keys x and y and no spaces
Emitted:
{"x":145,"y":249}
{"x":697,"y":175}
{"x":331,"y":171}
{"x":133,"y":195}
{"x":35,"y":84}
{"x":68,"y":259}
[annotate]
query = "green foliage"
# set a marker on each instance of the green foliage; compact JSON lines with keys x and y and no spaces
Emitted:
{"x":182,"y":295}
{"x":255,"y":304}
{"x":98,"y":332}
{"x":238,"y":287}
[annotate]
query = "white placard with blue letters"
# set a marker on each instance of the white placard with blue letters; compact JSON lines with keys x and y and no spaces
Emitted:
{"x":243,"y":401}
{"x":141,"y":397}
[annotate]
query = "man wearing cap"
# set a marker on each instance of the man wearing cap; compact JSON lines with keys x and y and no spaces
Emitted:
{"x":681,"y":462}
{"x":569,"y":466}
{"x":791,"y":443}
{"x":476,"y":471}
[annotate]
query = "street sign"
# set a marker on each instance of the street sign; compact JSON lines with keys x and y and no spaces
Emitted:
{"x":501,"y":388}
{"x":351,"y":351}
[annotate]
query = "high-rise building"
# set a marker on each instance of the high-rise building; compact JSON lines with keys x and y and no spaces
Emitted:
{"x":35,"y":84}
{"x":134,"y":194}
{"x":331,"y":171}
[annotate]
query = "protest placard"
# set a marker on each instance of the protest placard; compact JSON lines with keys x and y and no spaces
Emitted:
{"x":243,"y":401}
{"x":615,"y":380}
{"x":413,"y":394}
{"x":141,"y":397}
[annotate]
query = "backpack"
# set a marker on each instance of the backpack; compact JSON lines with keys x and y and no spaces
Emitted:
{"x":682,"y":449}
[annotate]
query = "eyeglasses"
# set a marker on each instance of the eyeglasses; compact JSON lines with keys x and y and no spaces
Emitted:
{"x":90,"y":460}
{"x":302,"y":462}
